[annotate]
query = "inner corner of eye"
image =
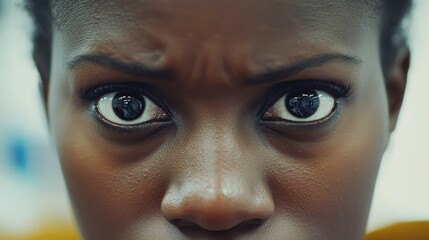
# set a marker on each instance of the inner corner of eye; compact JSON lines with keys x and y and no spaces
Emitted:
{"x":163,"y":116}
{"x":270,"y":112}
{"x":267,"y":114}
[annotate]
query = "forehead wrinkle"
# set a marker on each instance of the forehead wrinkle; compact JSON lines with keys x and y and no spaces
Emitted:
{"x":64,"y":11}
{"x":215,"y":65}
{"x":210,"y":67}
{"x":67,"y":9}
{"x":317,"y":12}
{"x":311,"y":15}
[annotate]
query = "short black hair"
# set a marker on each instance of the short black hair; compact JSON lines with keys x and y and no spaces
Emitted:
{"x":392,"y":36}
{"x":41,"y":13}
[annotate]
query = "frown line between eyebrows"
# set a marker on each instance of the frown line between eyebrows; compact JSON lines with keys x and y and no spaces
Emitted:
{"x":134,"y":69}
{"x":295,"y":68}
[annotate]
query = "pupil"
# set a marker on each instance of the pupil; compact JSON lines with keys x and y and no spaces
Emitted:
{"x":128,"y":106}
{"x":302,"y":103}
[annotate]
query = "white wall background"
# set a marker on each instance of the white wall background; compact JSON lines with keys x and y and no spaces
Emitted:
{"x":402,"y":191}
{"x":31,"y":192}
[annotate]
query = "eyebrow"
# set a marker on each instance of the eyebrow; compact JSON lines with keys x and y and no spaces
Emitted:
{"x":138,"y":70}
{"x":281,"y":73}
{"x":293,"y":69}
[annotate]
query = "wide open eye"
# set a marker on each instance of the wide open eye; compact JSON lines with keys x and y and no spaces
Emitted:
{"x":301,"y":105}
{"x":129,"y":108}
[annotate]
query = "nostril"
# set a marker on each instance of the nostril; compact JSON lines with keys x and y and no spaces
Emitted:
{"x":247,"y":225}
{"x":181,"y":223}
{"x":251,"y":223}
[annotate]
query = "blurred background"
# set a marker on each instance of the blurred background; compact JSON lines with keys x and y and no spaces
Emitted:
{"x":32,"y":192}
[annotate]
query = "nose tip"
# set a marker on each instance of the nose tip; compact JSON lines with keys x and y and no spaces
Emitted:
{"x":218,"y":211}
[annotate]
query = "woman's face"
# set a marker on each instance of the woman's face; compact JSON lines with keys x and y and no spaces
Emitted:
{"x":219,"y":119}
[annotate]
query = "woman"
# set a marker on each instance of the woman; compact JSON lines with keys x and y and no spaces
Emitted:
{"x":221,"y":119}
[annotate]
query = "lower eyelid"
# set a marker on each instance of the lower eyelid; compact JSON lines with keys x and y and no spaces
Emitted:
{"x":332,"y":116}
{"x":129,"y":131}
{"x":306,"y":131}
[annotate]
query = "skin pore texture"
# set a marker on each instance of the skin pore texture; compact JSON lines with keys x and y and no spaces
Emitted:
{"x":213,"y":163}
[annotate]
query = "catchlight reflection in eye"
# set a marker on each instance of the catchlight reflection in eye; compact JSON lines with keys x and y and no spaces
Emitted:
{"x":128,"y":108}
{"x":302,"y":105}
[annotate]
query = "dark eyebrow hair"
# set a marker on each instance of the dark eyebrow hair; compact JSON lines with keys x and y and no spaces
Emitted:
{"x":293,"y":69}
{"x":138,"y":70}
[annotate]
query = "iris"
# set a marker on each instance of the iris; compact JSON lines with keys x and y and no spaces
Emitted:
{"x":302,"y":103}
{"x":128,"y":106}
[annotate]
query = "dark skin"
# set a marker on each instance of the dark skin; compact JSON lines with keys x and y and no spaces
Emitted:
{"x":217,"y":159}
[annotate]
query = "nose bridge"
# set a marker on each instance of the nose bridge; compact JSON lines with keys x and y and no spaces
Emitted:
{"x":221,"y":188}
{"x":217,"y":151}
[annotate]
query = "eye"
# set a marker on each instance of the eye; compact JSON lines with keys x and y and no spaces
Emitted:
{"x":302,"y":105}
{"x":129,"y":108}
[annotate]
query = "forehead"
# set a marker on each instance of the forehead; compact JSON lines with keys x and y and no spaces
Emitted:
{"x":183,"y":33}
{"x":189,"y":14}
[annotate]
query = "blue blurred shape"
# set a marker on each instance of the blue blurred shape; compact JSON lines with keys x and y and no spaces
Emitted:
{"x":19,"y":155}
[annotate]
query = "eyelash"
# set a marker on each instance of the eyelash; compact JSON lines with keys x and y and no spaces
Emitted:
{"x":92,"y":94}
{"x":338,"y":91}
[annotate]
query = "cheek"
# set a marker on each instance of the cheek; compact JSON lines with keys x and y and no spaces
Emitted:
{"x":109,"y":188}
{"x":110,"y":185}
{"x":330,"y":183}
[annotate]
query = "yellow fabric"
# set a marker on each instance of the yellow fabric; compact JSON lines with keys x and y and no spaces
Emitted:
{"x":402,"y":231}
{"x":50,"y":233}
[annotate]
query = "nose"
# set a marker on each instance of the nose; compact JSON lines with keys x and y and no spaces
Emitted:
{"x":217,"y":208}
{"x":220,"y":183}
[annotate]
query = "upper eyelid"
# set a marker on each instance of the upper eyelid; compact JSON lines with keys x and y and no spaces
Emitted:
{"x":96,"y":92}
